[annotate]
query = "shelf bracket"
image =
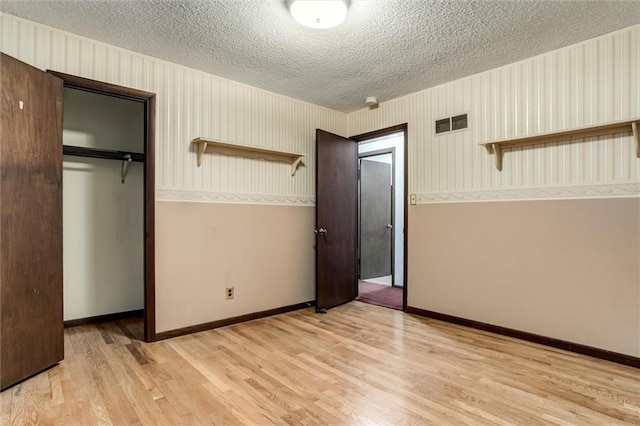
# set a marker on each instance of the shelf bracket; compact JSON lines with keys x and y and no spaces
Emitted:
{"x":489,"y":148}
{"x":294,"y":165}
{"x":202,"y":147}
{"x":497,"y":151}
{"x":636,"y":136}
{"x":126,"y":161}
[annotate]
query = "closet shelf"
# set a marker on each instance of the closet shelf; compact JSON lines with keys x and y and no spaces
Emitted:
{"x":107,"y":154}
{"x":231,"y":149}
{"x":624,"y":126}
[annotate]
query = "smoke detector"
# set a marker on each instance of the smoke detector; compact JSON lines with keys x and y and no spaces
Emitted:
{"x":371,"y":102}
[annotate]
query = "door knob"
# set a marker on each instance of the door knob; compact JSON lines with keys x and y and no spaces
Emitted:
{"x":389,"y":226}
{"x":320,"y":231}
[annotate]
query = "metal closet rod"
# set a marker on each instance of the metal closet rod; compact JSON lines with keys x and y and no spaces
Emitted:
{"x":107,"y":154}
{"x":125,"y":157}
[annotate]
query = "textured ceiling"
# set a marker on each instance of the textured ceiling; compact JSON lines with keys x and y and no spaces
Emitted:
{"x":384,"y":48}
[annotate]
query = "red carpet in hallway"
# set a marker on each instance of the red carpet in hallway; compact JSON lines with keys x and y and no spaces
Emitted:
{"x":381,"y":295}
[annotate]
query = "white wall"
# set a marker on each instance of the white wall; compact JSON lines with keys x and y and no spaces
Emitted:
{"x":105,"y":122}
{"x":394,"y":141}
{"x":103,"y":246}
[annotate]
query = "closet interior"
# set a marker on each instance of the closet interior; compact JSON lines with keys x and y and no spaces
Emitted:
{"x":103,"y":205}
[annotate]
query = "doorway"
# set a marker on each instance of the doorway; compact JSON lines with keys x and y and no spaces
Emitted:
{"x":108,"y":148}
{"x":375,"y":216}
{"x":337,"y":216}
{"x":381,"y":220}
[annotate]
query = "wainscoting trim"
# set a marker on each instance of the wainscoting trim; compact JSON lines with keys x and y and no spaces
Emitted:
{"x":530,"y":337}
{"x":230,"y":321}
{"x":231,"y":197}
{"x":622,"y":190}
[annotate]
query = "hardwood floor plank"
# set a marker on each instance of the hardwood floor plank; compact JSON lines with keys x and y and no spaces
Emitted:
{"x":26,"y":406}
{"x":6,"y":399}
{"x":55,"y":382}
{"x":357,"y":364}
{"x":141,"y":399}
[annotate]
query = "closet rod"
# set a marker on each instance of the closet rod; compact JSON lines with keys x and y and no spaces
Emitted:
{"x":106,"y":154}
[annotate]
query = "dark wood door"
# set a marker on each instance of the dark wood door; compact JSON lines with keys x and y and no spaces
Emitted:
{"x":336,"y":220}
{"x":375,"y":218}
{"x":31,"y":316}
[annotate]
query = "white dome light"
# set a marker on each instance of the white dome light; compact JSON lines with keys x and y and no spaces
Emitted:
{"x":320,"y":14}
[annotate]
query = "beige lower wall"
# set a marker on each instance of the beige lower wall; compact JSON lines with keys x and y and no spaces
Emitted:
{"x":265,"y":252}
{"x":565,"y":269}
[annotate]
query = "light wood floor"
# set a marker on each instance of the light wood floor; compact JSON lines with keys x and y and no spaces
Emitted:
{"x":358,"y":364}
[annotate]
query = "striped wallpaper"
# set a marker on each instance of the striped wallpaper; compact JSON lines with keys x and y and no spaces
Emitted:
{"x":193,"y":104}
{"x":594,"y":82}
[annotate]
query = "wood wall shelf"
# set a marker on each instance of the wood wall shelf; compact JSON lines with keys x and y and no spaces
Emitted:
{"x":231,"y":149}
{"x":625,"y":126}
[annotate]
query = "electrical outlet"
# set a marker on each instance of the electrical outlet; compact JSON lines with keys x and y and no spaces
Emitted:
{"x":229,"y":293}
{"x":412,"y":199}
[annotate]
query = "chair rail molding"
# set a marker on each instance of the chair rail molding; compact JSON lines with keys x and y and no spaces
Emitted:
{"x":613,"y":190}
{"x":186,"y":195}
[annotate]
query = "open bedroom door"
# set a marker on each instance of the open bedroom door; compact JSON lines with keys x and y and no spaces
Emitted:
{"x":336,"y":220}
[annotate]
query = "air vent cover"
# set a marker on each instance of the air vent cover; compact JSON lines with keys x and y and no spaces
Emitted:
{"x":458,"y":122}
{"x":443,"y":125}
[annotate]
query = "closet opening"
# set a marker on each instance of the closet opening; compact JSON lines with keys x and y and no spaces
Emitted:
{"x":108,"y":203}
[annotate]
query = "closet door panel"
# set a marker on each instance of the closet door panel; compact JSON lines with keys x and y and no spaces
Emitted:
{"x":31,"y":321}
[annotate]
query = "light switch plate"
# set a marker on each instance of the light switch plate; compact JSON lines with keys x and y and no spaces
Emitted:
{"x":413,"y":199}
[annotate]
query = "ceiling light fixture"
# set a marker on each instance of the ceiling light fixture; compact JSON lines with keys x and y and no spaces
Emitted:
{"x":319,"y":14}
